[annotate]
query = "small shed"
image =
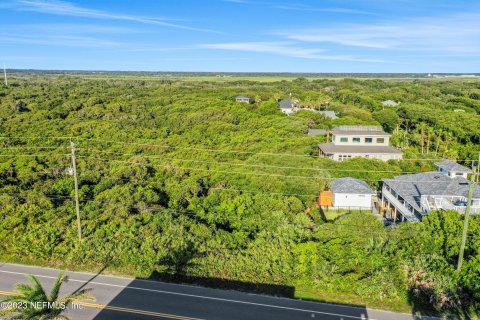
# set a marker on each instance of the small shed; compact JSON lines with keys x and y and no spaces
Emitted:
{"x":243,"y":98}
{"x":351,"y":193}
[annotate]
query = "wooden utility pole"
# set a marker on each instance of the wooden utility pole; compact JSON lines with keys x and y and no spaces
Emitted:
{"x":75,"y":180}
{"x":478,"y":168}
{"x":465,"y":220}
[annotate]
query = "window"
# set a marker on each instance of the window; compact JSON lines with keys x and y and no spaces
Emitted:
{"x":356,"y":139}
{"x":380,"y":140}
{"x":343,"y":139}
{"x":368,"y":140}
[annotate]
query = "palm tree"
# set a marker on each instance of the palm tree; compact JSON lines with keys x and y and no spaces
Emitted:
{"x":422,"y":133}
{"x":429,"y":136}
{"x":439,"y":139}
{"x":32,"y":303}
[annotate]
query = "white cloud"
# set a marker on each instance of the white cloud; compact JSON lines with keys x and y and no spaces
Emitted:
{"x":58,"y":40}
{"x":68,"y":9}
{"x":284,"y":49}
{"x":455,"y":34}
{"x":299,"y":7}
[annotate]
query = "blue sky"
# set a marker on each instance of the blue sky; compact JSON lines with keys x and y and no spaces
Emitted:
{"x":242,"y":35}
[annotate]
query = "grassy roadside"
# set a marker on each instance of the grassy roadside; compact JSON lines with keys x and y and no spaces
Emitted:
{"x":301,"y":292}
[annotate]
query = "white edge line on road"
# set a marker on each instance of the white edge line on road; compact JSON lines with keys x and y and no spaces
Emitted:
{"x":198,"y":296}
{"x":117,"y":277}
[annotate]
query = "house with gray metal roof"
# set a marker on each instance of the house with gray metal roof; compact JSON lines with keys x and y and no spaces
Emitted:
{"x":329,"y":114}
{"x":410,"y":197}
{"x":243,"y":98}
{"x":288,"y":106}
{"x":359,"y":141}
{"x":351,"y":193}
{"x":452,"y":169}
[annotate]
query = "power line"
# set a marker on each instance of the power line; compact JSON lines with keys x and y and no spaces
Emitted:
{"x":236,"y":151}
{"x":238,"y":172}
{"x":20,"y":195}
{"x":27,"y":148}
{"x":246,"y":164}
{"x":34,"y":155}
{"x":207,"y":149}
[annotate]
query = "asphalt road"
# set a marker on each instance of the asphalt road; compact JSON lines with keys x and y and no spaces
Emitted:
{"x":128,"y":298}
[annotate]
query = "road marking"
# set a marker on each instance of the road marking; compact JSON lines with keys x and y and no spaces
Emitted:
{"x":202,"y":297}
{"x":120,"y":309}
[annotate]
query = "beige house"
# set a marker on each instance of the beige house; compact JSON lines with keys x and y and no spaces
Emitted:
{"x":359,"y":141}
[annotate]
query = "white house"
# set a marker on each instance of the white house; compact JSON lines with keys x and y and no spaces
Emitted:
{"x":351,"y":193}
{"x":390,"y":103}
{"x":289,"y":107}
{"x":359,"y":141}
{"x":242,"y":98}
{"x":410,"y":197}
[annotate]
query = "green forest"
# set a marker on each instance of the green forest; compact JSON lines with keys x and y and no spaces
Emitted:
{"x":179,"y":182}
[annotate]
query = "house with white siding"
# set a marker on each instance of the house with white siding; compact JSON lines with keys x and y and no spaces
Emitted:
{"x":351,"y":193}
{"x":411,"y":197}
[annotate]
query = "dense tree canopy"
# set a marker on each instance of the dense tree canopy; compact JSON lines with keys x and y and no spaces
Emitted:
{"x":178,"y":180}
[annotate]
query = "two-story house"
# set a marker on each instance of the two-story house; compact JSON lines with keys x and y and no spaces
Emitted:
{"x":359,"y":141}
{"x":410,"y":197}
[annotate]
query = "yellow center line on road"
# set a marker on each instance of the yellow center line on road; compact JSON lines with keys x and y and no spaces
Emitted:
{"x":120,"y":309}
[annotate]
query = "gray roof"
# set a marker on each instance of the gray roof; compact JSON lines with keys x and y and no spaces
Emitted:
{"x":329,"y":114}
{"x":351,"y":185}
{"x":316,"y":132}
{"x":242,"y":97}
{"x":287,"y":104}
{"x":331,"y":148}
{"x":412,"y":186}
{"x":390,"y":103}
{"x":360,"y":130}
{"x":452,"y":166}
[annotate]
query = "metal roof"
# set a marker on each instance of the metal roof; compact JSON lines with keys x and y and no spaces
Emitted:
{"x":351,"y":185}
{"x":412,"y":186}
{"x":452,"y":166}
{"x":331,"y":148}
{"x":390,"y":103}
{"x":329,"y":114}
{"x":360,"y":130}
{"x":287,"y":104}
{"x":242,"y":97}
{"x":316,"y":132}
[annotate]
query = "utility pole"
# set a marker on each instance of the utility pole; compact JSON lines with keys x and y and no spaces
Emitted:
{"x":478,"y":168}
{"x":75,"y":180}
{"x":465,"y":221}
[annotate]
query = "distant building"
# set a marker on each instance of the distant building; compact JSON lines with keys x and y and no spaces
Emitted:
{"x":410,"y":197}
{"x":328,"y":114}
{"x":245,"y":99}
{"x":287,"y":106}
{"x":458,"y":110}
{"x":351,"y":193}
{"x":317,"y":132}
{"x":359,"y":141}
{"x":390,"y":103}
